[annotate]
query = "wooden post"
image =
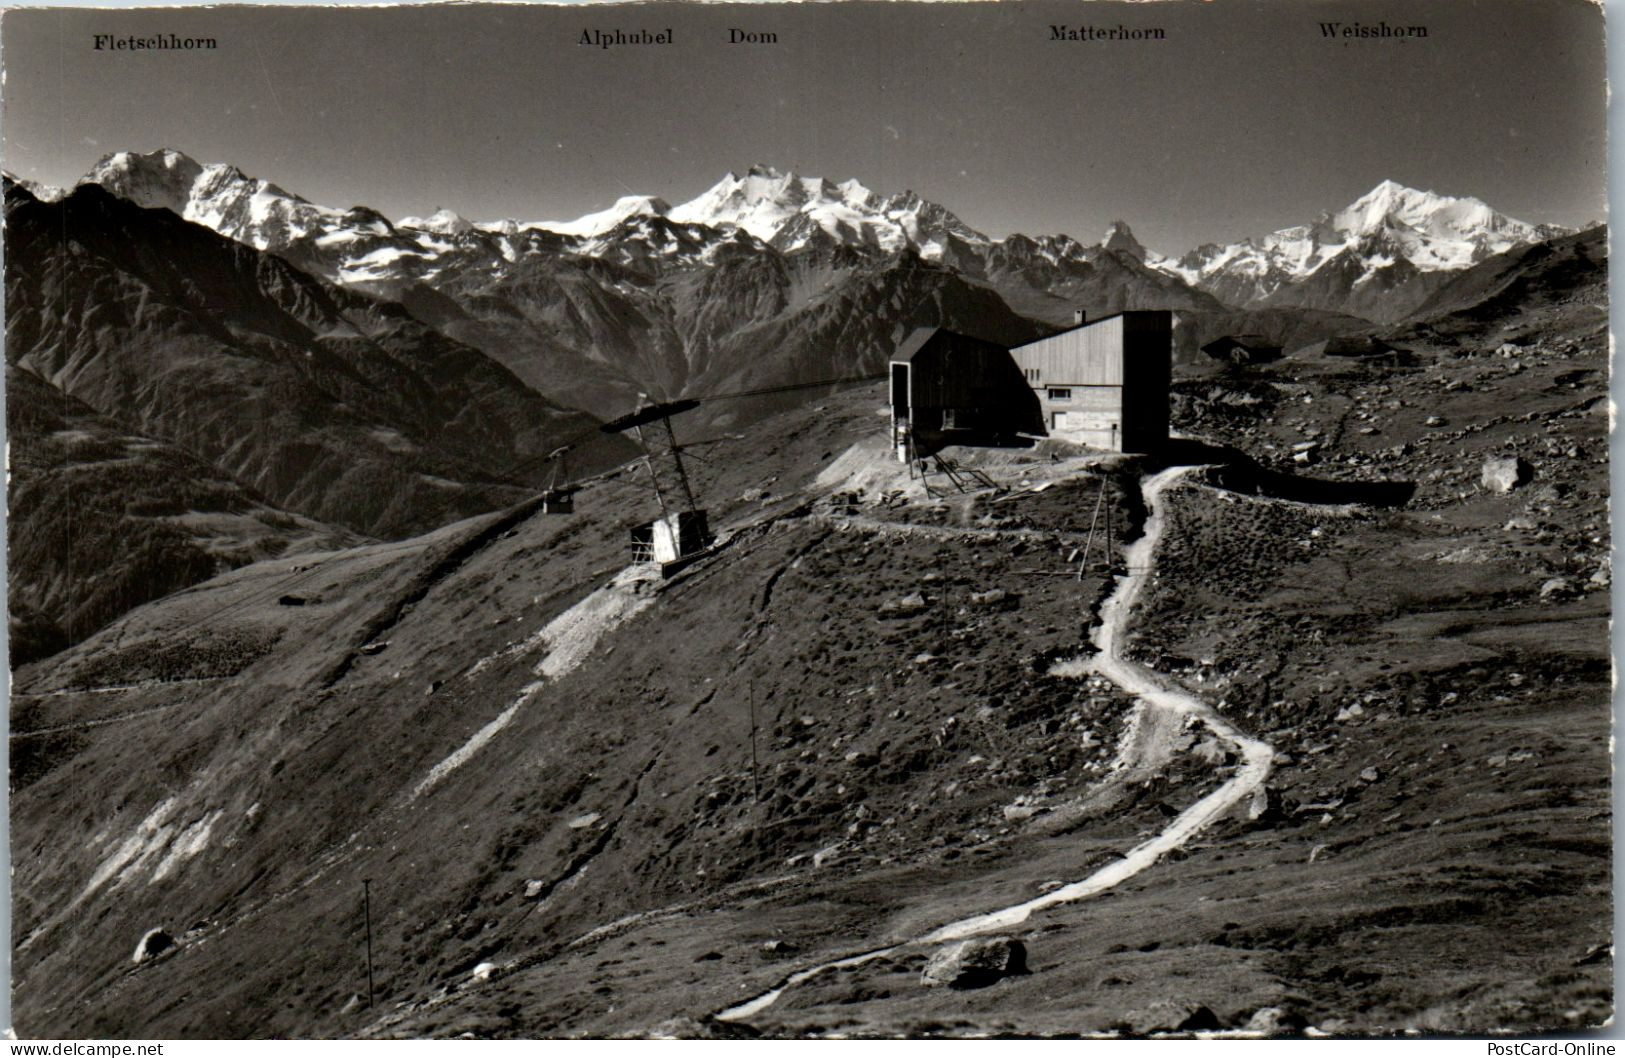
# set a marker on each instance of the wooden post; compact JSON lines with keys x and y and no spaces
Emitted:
{"x":366,"y":910}
{"x":1094,"y":519}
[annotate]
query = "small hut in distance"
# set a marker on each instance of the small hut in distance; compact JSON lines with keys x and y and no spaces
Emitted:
{"x":1358,"y":346}
{"x":1243,"y":349}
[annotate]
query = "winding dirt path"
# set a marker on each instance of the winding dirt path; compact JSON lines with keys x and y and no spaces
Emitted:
{"x":1155,"y":693}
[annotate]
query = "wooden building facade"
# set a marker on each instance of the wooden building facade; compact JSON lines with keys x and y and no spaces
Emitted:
{"x":1104,"y":383}
{"x":950,"y":388}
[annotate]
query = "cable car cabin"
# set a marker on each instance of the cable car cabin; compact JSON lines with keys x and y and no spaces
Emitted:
{"x":1104,"y":383}
{"x":559,"y":501}
{"x":949,"y":388}
{"x":672,"y":541}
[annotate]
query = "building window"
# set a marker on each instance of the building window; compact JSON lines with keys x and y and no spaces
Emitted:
{"x":1060,"y":394}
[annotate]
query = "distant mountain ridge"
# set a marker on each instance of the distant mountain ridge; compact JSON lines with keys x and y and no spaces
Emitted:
{"x":1379,"y":257}
{"x":209,"y":404}
{"x":334,"y":405}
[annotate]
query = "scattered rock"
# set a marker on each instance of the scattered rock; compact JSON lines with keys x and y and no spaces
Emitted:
{"x":1505,"y":473}
{"x":534,"y":888}
{"x":1596,"y":953}
{"x":685,"y":1028}
{"x":1016,"y":813}
{"x":825,"y":855}
{"x":992,"y":597}
{"x":1433,"y":420}
{"x":1273,"y":1021}
{"x":1370,"y":775}
{"x":1266,"y":805}
{"x":975,"y":963}
{"x":1168,"y":1016}
{"x":153,"y":943}
{"x":778,"y":947}
{"x":583,"y":822}
{"x":1550,"y":492}
{"x":907,"y":606}
{"x":483,"y":971}
{"x":1556,"y":588}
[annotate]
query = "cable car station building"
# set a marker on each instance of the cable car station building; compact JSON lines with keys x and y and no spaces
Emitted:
{"x":1101,"y":383}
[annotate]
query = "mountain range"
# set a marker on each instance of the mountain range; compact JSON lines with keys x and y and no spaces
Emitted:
{"x":376,"y":378}
{"x":194,"y":376}
{"x":1377,"y":258}
{"x":772,"y":278}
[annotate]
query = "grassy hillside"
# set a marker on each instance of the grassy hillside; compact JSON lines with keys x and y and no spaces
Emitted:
{"x":101,"y":520}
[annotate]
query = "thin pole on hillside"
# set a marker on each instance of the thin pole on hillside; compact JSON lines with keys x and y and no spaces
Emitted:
{"x":1094,"y":519}
{"x":366,"y":911}
{"x":755,"y":783}
{"x":1111,"y":557}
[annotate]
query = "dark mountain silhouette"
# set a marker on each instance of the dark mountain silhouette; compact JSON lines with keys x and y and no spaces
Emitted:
{"x":324,"y":401}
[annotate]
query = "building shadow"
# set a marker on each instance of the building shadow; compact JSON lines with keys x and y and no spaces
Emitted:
{"x":1233,"y":470}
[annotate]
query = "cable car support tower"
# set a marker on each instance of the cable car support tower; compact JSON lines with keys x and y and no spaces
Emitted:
{"x":681,"y":533}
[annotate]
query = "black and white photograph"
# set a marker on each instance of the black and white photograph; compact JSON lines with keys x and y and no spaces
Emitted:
{"x":1053,"y":519}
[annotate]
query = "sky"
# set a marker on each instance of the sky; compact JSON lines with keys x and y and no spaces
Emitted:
{"x":1243,"y":119}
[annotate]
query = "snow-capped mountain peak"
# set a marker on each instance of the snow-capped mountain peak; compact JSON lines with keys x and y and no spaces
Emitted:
{"x":442,"y":221}
{"x":43,"y":192}
{"x":1119,"y":239}
{"x":219,"y":196}
{"x":789,"y":211}
{"x":1376,"y":257}
{"x":1439,"y":217}
{"x":594,"y":224}
{"x":1390,"y":226}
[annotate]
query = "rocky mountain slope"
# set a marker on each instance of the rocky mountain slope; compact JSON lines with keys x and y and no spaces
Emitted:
{"x":209,"y":405}
{"x":327,"y":403}
{"x":590,"y":802}
{"x":1524,"y":293}
{"x":102,"y":520}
